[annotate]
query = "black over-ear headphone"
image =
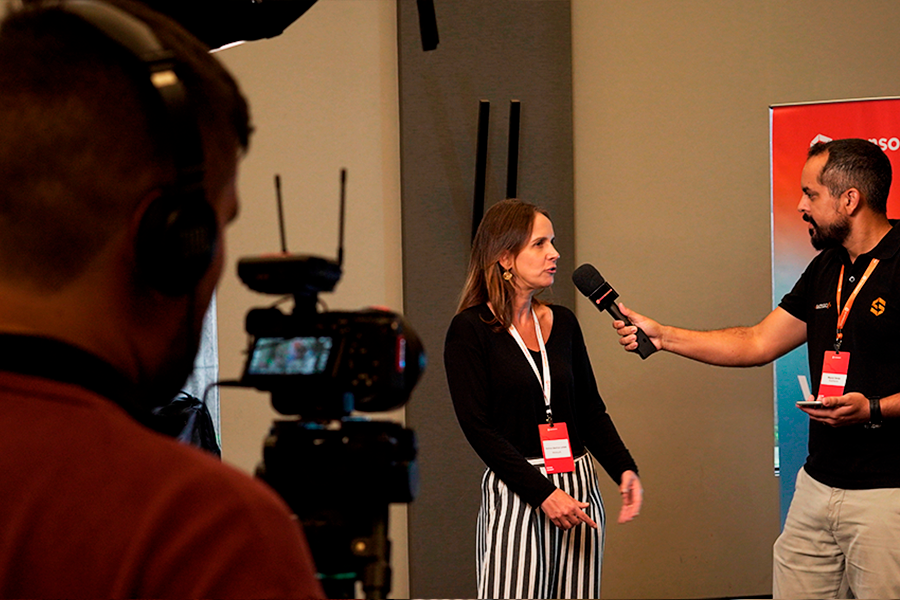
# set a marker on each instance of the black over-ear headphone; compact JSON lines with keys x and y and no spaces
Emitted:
{"x":178,"y":232}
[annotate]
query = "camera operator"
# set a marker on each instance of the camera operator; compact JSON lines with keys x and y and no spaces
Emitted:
{"x":100,"y":317}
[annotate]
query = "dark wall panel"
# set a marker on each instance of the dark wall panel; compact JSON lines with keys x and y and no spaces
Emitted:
{"x":498,"y":51}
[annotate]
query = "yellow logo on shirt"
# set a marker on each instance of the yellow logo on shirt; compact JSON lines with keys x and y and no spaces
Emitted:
{"x":878,"y":307}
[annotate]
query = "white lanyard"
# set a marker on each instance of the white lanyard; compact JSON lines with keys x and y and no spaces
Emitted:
{"x":545,"y":381}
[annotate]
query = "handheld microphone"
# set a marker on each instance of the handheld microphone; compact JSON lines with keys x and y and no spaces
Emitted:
{"x":590,"y":282}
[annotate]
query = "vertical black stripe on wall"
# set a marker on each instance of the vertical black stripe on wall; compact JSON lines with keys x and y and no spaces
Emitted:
{"x":499,"y":50}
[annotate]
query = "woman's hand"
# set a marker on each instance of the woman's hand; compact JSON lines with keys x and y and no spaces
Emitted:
{"x":632,"y":496}
{"x":565,"y":511}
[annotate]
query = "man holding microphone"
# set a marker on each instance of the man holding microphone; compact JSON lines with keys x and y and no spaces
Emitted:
{"x":843,"y":308}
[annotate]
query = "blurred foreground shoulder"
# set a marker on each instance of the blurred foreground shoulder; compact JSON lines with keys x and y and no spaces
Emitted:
{"x":240,"y":537}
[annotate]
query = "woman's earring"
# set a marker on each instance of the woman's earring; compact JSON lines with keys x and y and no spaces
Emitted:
{"x":507,"y":275}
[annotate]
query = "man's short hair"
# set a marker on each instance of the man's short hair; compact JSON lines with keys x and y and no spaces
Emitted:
{"x":856,"y":163}
{"x":80,"y":137}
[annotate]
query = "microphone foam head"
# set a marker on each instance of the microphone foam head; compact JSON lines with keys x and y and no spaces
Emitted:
{"x":587,"y":279}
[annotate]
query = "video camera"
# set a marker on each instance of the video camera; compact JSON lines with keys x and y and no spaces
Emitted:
{"x":338,"y":472}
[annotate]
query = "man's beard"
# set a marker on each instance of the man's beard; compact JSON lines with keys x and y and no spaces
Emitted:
{"x":828,"y":236}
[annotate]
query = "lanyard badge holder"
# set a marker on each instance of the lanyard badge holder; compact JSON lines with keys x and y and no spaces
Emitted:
{"x":555,"y":445}
{"x":836,"y":364}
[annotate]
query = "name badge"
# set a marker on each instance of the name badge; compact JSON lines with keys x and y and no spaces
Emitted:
{"x":834,"y":374}
{"x":556,"y":448}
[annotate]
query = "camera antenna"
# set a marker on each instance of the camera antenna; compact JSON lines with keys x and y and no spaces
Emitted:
{"x":280,"y":213}
{"x":301,"y":275}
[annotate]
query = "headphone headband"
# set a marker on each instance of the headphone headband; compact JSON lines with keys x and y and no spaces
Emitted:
{"x":177,"y":236}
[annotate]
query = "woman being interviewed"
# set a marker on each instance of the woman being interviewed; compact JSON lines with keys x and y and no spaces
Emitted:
{"x":526,"y":399}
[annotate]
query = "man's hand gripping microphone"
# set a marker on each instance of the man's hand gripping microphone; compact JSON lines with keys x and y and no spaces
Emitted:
{"x":590,"y":282}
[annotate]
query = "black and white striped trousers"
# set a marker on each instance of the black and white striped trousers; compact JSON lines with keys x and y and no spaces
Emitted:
{"x":520,"y":553}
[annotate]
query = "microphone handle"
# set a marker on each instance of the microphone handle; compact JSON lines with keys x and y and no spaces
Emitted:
{"x":645,"y":346}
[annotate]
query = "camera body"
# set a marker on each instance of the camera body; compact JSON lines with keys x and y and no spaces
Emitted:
{"x":325,"y":365}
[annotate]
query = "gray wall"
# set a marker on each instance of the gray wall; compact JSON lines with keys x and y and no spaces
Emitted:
{"x":497,"y":51}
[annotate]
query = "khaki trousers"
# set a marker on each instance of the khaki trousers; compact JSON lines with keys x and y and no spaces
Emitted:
{"x":838,"y":543}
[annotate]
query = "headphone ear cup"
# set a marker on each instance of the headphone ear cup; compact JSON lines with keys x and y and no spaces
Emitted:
{"x":176,"y":243}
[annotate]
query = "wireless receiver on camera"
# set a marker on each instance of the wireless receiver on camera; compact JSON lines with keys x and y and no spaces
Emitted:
{"x":324,"y":365}
{"x":302,"y":275}
{"x":590,"y":282}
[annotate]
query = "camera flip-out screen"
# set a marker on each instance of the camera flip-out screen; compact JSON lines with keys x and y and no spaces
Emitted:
{"x":302,"y":355}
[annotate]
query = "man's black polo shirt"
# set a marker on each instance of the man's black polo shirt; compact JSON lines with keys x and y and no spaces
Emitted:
{"x":854,"y":457}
